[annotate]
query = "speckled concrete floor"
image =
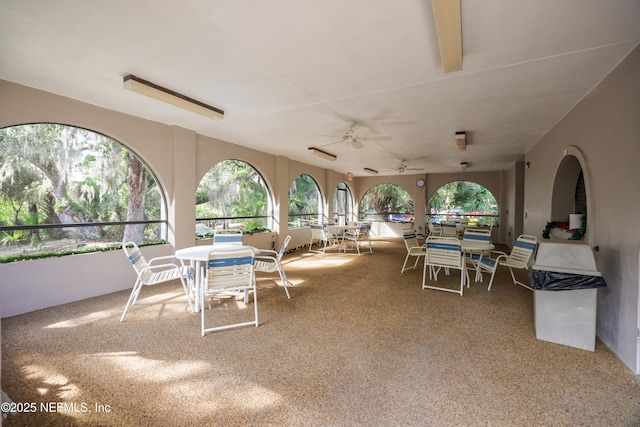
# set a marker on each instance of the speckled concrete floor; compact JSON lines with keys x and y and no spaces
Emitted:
{"x":357,"y":344}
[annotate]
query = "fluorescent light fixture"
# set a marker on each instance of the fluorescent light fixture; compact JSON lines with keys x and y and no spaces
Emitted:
{"x":447,"y":17}
{"x":320,"y":153}
{"x":371,"y":171}
{"x":461,"y":141}
{"x":176,"y":99}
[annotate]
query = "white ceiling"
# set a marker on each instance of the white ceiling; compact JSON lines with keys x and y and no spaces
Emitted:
{"x":289,"y":72}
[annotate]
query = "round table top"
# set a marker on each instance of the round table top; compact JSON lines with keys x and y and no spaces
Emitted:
{"x":201,"y":253}
{"x":475,"y":245}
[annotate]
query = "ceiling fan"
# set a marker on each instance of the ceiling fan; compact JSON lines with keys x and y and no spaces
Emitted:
{"x":355,"y":139}
{"x":405,"y":168}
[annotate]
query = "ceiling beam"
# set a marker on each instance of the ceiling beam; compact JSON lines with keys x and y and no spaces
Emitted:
{"x":447,"y":17}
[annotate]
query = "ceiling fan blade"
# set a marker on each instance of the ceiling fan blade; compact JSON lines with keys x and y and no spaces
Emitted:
{"x":357,"y":144}
{"x":380,"y":137}
{"x":331,"y":143}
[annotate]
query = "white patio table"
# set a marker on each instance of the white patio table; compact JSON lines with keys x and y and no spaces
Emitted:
{"x":340,"y":230}
{"x":197,"y":256}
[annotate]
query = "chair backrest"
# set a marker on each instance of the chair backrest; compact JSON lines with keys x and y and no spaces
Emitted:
{"x":477,"y":235}
{"x":444,"y":252}
{"x":317,"y":231}
{"x":229,"y":269}
{"x":364,"y":230}
{"x":523,"y":250}
{"x":227,"y":237}
{"x":283,"y":247}
{"x":449,"y":230}
{"x":136,"y":259}
{"x":411,"y":240}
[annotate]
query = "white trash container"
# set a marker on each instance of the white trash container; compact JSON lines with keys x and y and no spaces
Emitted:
{"x":565,"y":279}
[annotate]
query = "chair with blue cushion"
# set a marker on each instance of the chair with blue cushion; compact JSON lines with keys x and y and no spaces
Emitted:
{"x":443,"y":252}
{"x":321,"y":236}
{"x":472,"y":258}
{"x":414,"y":249}
{"x":361,"y":235}
{"x":229,"y":274}
{"x":520,"y":257}
{"x":227,"y":237}
{"x":152,"y":273}
{"x":449,"y":230}
{"x":269,"y":261}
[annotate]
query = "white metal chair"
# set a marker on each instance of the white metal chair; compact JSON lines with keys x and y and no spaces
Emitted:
{"x":449,"y":230}
{"x":520,"y":258}
{"x":271,"y":263}
{"x":229,"y":274}
{"x":435,"y":230}
{"x":414,"y":249}
{"x":361,"y":235}
{"x":227,"y":237}
{"x":443,"y":252}
{"x":473,"y":257}
{"x":321,"y":236}
{"x":151,"y":273}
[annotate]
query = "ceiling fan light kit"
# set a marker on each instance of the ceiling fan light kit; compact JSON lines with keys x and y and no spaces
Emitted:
{"x":170,"y":97}
{"x":321,"y":153}
{"x":371,"y":171}
{"x":463,"y":166}
{"x":461,"y":141}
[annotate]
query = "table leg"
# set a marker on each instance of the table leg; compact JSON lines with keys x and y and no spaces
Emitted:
{"x":196,"y":284}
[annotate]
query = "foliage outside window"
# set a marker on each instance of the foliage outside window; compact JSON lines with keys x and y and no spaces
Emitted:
{"x":463,"y":201}
{"x":342,"y":204}
{"x":232,"y":195}
{"x":68,"y":190}
{"x":305,"y":202}
{"x":387,"y":202}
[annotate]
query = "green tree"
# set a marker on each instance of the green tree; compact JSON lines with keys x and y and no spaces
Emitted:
{"x":232,"y":188}
{"x":304,"y":196}
{"x":64,"y":175}
{"x":384,"y":198}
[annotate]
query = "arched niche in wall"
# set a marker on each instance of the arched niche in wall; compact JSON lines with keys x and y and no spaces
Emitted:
{"x":570,"y":190}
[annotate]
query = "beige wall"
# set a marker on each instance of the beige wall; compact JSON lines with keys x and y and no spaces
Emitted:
{"x":514,"y":203}
{"x":603,"y":130}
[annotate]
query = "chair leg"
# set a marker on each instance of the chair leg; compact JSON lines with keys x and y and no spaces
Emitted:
{"x":493,"y":273}
{"x":516,"y":282}
{"x":255,"y":301}
{"x":405,"y":263}
{"x":132,"y":298}
{"x":283,"y":277}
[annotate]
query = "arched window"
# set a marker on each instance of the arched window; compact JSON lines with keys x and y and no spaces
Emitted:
{"x":463,"y":201}
{"x":305,"y":202}
{"x":232,"y":195}
{"x":65,"y":190}
{"x":569,"y":202}
{"x":343,"y":205}
{"x":387,"y":202}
